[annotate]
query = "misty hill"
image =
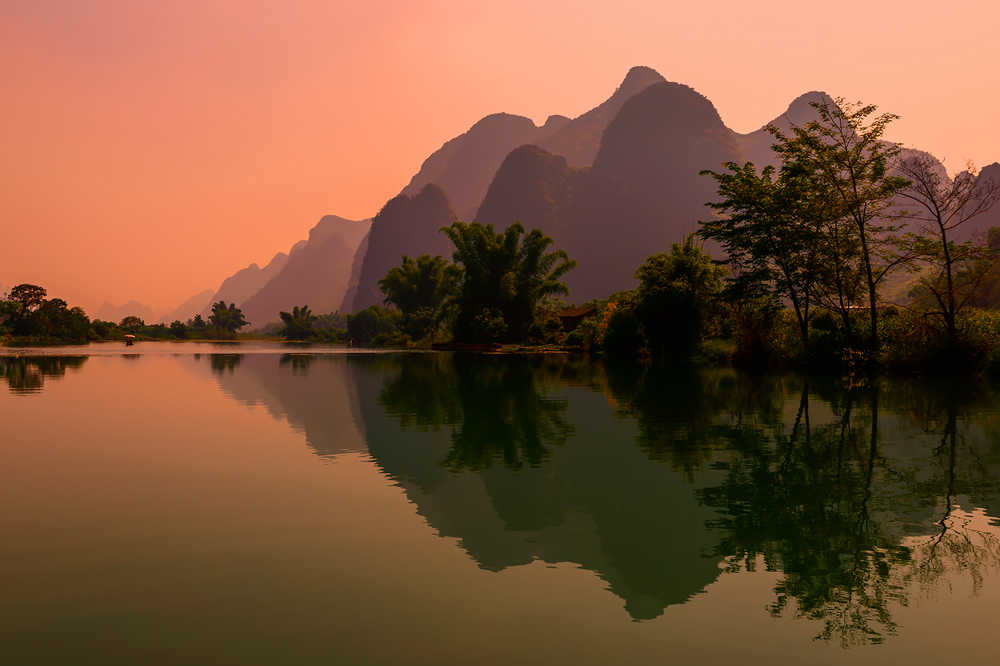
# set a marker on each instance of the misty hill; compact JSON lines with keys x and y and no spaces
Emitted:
{"x":246,"y":282}
{"x":355,"y":279}
{"x":317,"y":275}
{"x":978,"y":226}
{"x":579,"y":139}
{"x":109,"y":312}
{"x":756,"y":146}
{"x":405,"y":225}
{"x":642,"y":193}
{"x":464,"y":166}
{"x":536,"y":187}
{"x":189,"y":308}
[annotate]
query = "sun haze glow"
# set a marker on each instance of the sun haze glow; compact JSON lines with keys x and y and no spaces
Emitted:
{"x":152,"y":149}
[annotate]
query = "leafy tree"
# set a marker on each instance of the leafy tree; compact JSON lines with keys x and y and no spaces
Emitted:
{"x":132,"y":323}
{"x":844,"y":157}
{"x":227,"y":320}
{"x":331,"y":320}
{"x":105,"y":330}
{"x":28,"y":298}
{"x":197,"y":322}
{"x":178,"y":329}
{"x":56,"y":319}
{"x":298,"y":323}
{"x":422,"y":284}
{"x":673,"y":296}
{"x":773,"y":234}
{"x":939,"y":205}
{"x":622,"y":336}
{"x":373,"y":324}
{"x":504,"y":277}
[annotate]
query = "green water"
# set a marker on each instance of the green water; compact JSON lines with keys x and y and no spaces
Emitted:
{"x":243,"y":504}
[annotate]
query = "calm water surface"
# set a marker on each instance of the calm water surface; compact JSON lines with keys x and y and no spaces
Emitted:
{"x":272,"y":504}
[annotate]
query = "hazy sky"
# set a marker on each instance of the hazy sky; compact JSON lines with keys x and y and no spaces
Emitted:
{"x":150,"y":149}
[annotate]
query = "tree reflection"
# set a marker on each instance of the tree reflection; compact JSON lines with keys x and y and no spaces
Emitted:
{"x":424,"y":394}
{"x":859,"y":495}
{"x":500,"y":409}
{"x":28,"y":374}
{"x":299,"y":363}
{"x":962,"y":466}
{"x":683,"y":416}
{"x":829,"y":508}
{"x":225,"y":362}
{"x":804,"y":500}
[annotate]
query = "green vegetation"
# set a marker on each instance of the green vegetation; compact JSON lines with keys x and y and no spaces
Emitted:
{"x":375,"y":325}
{"x":27,"y":315}
{"x":226,"y":320}
{"x":419,"y":289}
{"x":846,"y":210}
{"x":298,"y":323}
{"x":504,"y":277}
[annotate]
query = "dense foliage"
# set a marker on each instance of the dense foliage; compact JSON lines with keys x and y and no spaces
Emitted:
{"x":504,"y":277}
{"x":27,"y":313}
{"x":227,"y":320}
{"x":419,"y":289}
{"x":298,"y":323}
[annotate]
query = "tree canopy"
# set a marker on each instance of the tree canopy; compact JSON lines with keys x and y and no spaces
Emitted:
{"x":504,"y":276}
{"x":847,"y":165}
{"x":672,"y":298}
{"x":298,"y":323}
{"x":227,"y":319}
{"x":419,"y":289}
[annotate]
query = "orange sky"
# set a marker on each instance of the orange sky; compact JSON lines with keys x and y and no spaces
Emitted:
{"x":150,"y":149}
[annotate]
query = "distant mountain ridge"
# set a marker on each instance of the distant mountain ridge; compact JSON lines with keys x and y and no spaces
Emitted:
{"x":756,"y":145}
{"x":245,"y":282}
{"x":611,"y":186}
{"x":580,"y":139}
{"x":189,"y":308}
{"x":115,"y":313}
{"x":317,"y":275}
{"x":642,"y":192}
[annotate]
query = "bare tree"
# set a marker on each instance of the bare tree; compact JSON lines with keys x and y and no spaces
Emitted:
{"x":938,"y":205}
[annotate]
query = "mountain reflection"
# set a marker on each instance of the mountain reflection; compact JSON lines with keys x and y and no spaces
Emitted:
{"x":852,"y":494}
{"x":556,"y":474}
{"x":860,"y":498}
{"x":28,"y":374}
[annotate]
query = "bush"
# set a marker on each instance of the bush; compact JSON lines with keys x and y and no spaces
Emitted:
{"x":622,"y":338}
{"x":373,"y":325}
{"x":488,"y":326}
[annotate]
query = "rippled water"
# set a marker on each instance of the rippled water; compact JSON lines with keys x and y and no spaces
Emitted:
{"x":275,"y":504}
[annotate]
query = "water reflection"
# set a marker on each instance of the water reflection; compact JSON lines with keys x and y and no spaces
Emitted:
{"x":555,"y":474}
{"x":852,"y":494}
{"x":820,"y":504}
{"x":225,"y":362}
{"x":314,"y":393}
{"x":861,"y":498}
{"x":28,"y":374}
{"x":500,"y":407}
